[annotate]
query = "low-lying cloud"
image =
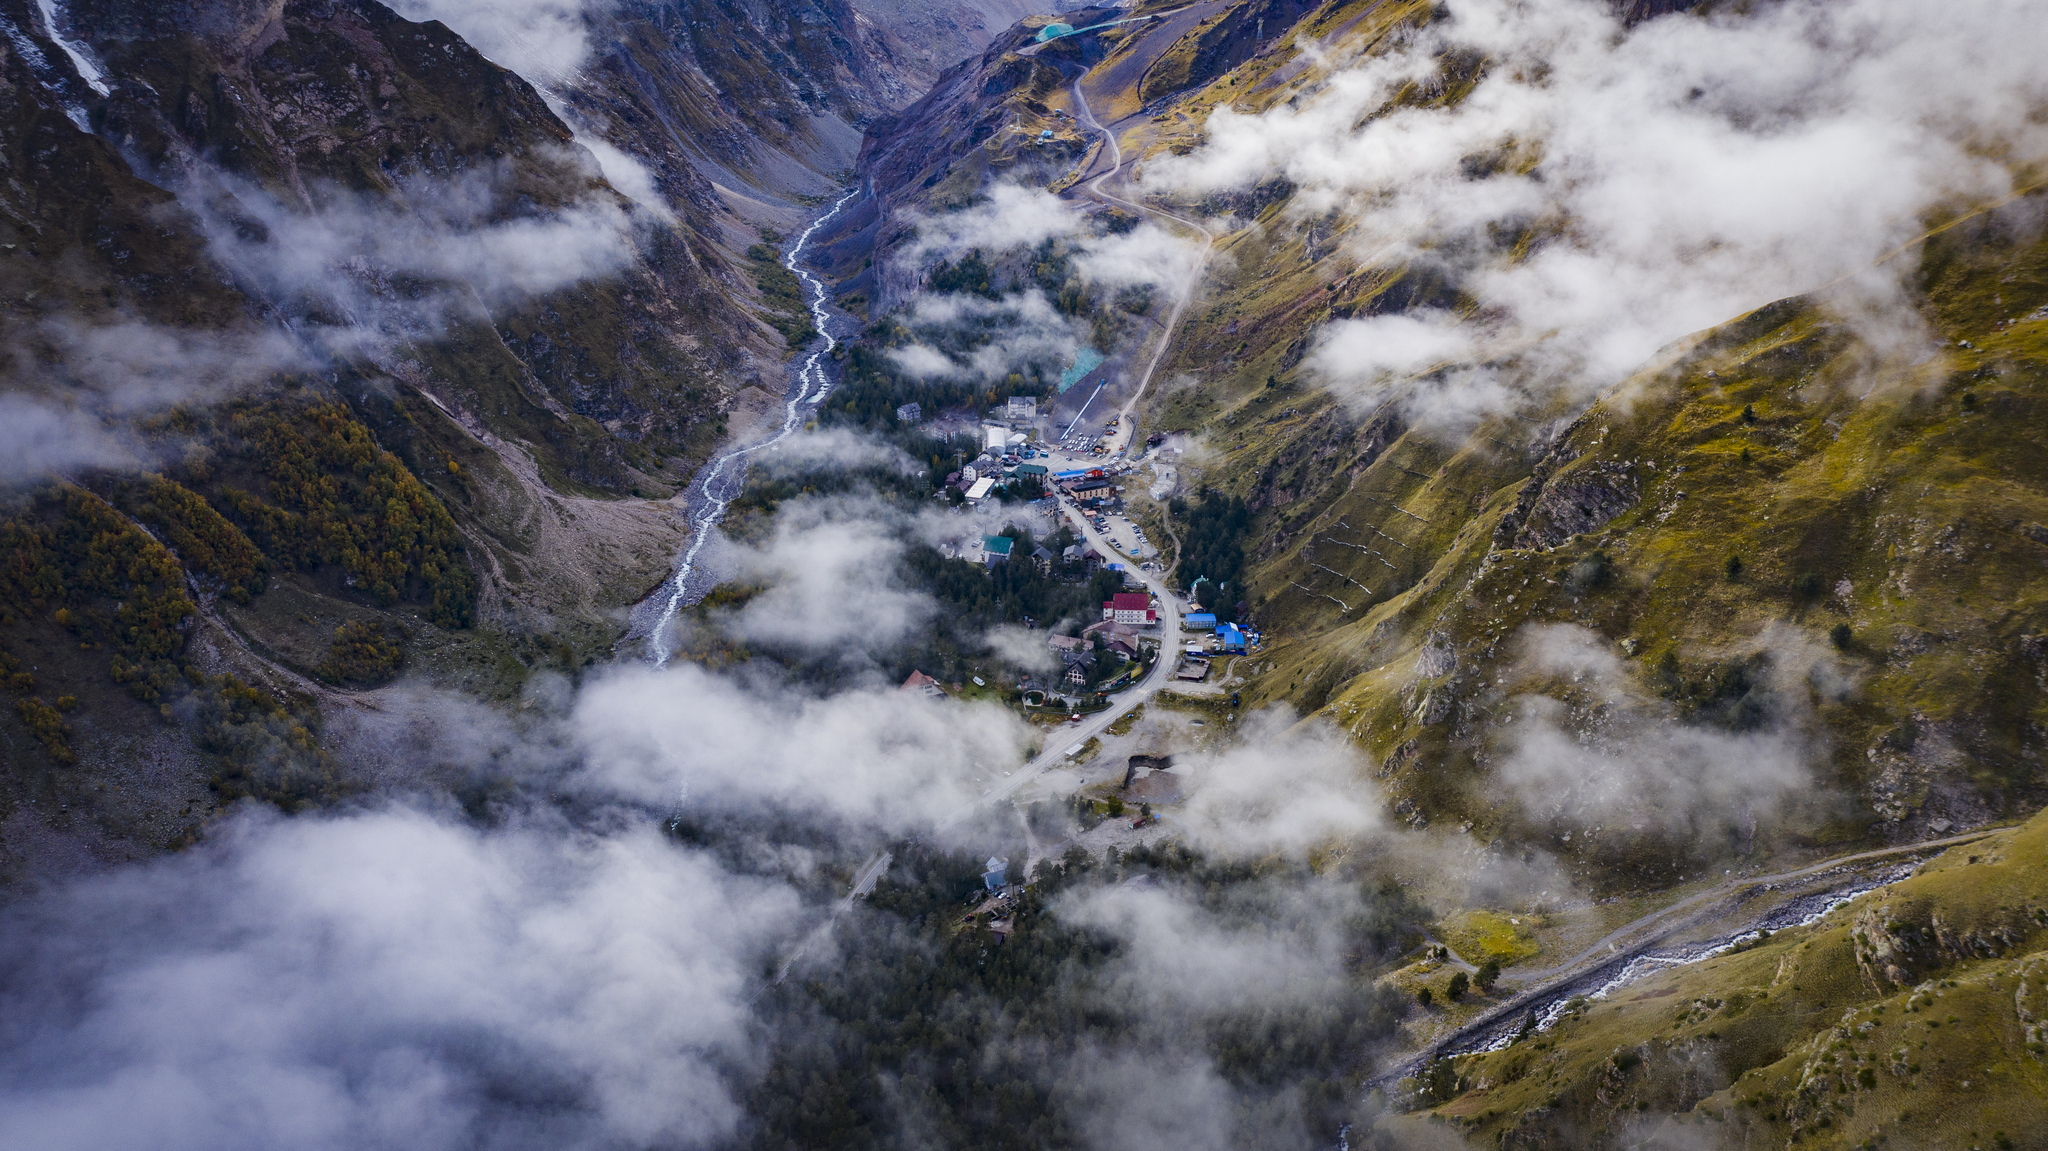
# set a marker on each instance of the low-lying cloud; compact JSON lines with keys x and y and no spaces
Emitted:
{"x":386,"y":979}
{"x":1603,"y":190}
{"x":545,"y":41}
{"x":1599,"y":753}
{"x":688,"y":739}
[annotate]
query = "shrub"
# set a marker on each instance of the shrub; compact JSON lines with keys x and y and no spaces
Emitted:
{"x":332,"y":496}
{"x":48,"y":727}
{"x":202,"y":537}
{"x":1733,"y":568}
{"x":1425,"y":997}
{"x":362,"y":654}
{"x":1841,"y":636}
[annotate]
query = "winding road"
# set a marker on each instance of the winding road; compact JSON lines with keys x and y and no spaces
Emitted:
{"x":1659,"y":924}
{"x":1125,"y":427}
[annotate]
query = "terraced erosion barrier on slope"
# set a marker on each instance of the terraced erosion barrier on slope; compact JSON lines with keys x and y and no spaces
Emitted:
{"x":720,"y":483}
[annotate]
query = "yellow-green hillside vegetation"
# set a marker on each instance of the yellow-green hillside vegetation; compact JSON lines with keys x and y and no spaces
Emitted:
{"x":1916,"y":1016}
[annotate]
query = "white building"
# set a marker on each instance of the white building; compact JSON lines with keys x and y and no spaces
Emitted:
{"x":996,"y":438}
{"x":980,"y":490}
{"x":1023,"y":408}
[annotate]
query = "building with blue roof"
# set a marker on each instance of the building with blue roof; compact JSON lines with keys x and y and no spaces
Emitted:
{"x":1233,"y":639}
{"x":1199,"y":621}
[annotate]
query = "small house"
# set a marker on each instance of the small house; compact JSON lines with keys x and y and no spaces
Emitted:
{"x":922,"y":684}
{"x":995,"y":875}
{"x":1042,"y":560}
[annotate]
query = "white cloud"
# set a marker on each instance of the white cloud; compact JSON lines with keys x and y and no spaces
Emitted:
{"x":545,"y":41}
{"x":1277,"y":788}
{"x":969,"y":337}
{"x":1624,"y":761}
{"x":878,"y":756}
{"x":1691,"y":168}
{"x":385,"y":980}
{"x":1013,"y":216}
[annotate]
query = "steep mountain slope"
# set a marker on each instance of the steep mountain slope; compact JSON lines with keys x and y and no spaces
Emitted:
{"x":1738,"y":541}
{"x":1911,"y":1018}
{"x":418,"y":380}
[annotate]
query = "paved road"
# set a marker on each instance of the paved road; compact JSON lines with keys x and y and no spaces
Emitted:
{"x":1060,"y":739}
{"x":1608,"y":950}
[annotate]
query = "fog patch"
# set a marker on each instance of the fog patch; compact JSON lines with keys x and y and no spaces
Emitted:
{"x":685,"y":737}
{"x":1282,"y":788}
{"x":545,"y":41}
{"x":386,"y":979}
{"x":964,"y":337}
{"x":1604,"y":190}
{"x":1597,"y":750}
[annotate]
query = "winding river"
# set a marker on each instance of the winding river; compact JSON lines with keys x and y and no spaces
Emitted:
{"x":720,"y":483}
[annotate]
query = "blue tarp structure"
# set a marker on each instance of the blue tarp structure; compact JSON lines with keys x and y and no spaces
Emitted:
{"x":1085,"y":361}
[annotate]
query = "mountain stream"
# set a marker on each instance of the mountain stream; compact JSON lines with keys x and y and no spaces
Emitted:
{"x":720,"y":483}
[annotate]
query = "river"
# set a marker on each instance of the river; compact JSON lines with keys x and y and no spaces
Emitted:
{"x":720,"y":482}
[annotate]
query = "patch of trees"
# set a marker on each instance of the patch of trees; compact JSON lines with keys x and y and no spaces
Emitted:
{"x":927,"y":1030}
{"x":202,"y":537}
{"x":873,"y":388}
{"x":47,"y":725}
{"x":1009,"y":592}
{"x":1212,"y":546}
{"x":330,"y":495}
{"x":788,"y":311}
{"x":969,"y":274}
{"x":74,"y":556}
{"x":98,"y":575}
{"x":363,"y":654}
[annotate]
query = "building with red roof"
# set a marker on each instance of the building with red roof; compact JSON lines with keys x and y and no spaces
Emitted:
{"x":1130,"y":607}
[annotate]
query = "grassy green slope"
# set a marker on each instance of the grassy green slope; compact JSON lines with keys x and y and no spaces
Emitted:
{"x":1914,"y":1017}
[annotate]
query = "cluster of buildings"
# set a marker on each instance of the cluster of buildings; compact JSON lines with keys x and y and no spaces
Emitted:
{"x":1005,"y":450}
{"x":1228,"y":638}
